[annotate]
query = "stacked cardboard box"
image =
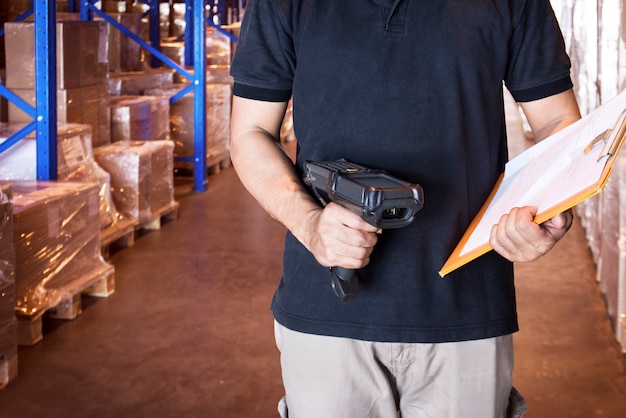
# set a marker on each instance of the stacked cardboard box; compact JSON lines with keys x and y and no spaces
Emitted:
{"x":58,"y":250}
{"x":82,"y":73}
{"x":142,"y":181}
{"x":8,"y":325}
{"x":139,"y":118}
{"x":124,"y":53}
{"x":218,"y":105}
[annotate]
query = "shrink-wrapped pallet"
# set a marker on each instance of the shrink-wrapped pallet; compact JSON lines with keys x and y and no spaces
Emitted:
{"x":139,"y":118}
{"x":142,"y":181}
{"x":75,"y":162}
{"x":129,"y":165}
{"x":218,"y":105}
{"x":57,"y":243}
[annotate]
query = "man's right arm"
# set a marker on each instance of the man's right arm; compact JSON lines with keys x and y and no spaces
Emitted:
{"x":334,"y":235}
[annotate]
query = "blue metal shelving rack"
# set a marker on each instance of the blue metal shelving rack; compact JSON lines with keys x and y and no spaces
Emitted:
{"x":44,"y":113}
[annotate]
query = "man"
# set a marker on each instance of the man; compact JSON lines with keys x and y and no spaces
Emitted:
{"x":414,"y":88}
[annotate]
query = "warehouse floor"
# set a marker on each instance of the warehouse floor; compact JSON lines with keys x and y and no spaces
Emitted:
{"x":188,"y":332}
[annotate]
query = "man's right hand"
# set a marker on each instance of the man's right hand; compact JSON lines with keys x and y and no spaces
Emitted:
{"x":338,"y":237}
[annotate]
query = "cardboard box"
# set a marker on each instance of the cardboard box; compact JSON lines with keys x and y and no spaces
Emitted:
{"x":124,"y":53}
{"x":82,"y":54}
{"x":139,"y":118}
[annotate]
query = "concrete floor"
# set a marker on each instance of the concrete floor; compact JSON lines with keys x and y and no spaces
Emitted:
{"x":188,"y":332}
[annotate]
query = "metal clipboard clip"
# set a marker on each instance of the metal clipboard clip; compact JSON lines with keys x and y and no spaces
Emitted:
{"x":610,"y":147}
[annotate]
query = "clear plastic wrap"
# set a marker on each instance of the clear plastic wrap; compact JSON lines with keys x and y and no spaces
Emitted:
{"x":75,"y":162}
{"x":57,"y":243}
{"x":139,"y":118}
{"x":141,"y":176}
{"x":162,"y":176}
{"x":218,"y":105}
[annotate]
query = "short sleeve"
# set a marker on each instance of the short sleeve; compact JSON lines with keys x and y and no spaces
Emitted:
{"x":538,"y":63}
{"x":264,"y":62}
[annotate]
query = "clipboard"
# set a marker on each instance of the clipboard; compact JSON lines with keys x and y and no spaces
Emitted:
{"x":554,"y":175}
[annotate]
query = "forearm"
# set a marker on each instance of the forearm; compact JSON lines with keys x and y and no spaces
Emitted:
{"x":268,"y":173}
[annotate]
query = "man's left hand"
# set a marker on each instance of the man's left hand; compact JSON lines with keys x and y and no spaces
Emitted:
{"x":517,"y":238}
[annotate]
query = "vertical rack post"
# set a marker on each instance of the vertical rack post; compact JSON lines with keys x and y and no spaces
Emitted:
{"x":45,"y":89}
{"x":189,"y":32}
{"x":199,"y":81}
{"x":155,"y":30}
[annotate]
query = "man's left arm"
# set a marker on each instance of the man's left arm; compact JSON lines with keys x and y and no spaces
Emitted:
{"x":516,"y":237}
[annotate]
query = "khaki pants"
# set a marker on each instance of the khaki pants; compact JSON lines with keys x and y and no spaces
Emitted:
{"x":342,"y":378}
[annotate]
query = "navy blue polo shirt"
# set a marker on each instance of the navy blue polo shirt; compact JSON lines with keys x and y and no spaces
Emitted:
{"x":413,"y":87}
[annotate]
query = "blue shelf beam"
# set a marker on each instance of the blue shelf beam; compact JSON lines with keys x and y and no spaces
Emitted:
{"x":19,"y":135}
{"x":45,"y":89}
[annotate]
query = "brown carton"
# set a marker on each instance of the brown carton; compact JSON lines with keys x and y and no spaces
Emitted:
{"x":82,"y":54}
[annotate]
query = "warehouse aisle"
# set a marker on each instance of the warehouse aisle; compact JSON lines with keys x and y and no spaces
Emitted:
{"x":188,"y":332}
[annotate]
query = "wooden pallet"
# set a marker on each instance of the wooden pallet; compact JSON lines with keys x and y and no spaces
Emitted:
{"x":30,"y":327}
{"x":121,"y":235}
{"x":214,"y":164}
{"x":218,"y":162}
{"x":168,"y":213}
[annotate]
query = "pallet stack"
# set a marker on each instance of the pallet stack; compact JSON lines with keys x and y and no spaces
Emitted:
{"x":118,"y":136}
